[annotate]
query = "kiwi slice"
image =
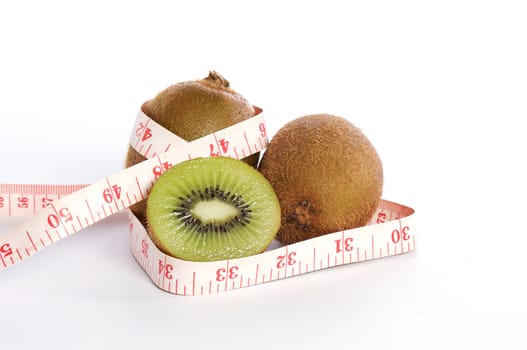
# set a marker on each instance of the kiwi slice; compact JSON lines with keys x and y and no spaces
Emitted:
{"x":212,"y":208}
{"x":193,"y":109}
{"x":327,"y":175}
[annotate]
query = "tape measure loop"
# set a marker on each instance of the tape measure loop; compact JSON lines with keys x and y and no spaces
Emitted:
{"x":373,"y":241}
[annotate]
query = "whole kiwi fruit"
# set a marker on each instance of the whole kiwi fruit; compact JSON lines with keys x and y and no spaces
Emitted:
{"x":193,"y":109}
{"x":327,"y":175}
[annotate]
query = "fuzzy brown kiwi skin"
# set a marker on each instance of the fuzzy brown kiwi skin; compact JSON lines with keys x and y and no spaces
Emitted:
{"x":191,"y":110}
{"x":327,"y":175}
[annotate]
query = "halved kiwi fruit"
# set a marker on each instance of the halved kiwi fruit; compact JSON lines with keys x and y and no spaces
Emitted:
{"x":193,"y":109}
{"x":212,"y":208}
{"x":327,"y":175}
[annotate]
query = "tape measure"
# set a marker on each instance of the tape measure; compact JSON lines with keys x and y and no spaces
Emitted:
{"x":58,"y":211}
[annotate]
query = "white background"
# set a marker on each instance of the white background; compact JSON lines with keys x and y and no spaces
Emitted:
{"x":439,"y":87}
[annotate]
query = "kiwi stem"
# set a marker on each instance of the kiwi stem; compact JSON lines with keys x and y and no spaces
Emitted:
{"x":216,"y":79}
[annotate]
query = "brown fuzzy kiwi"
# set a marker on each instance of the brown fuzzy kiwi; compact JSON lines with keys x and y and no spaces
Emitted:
{"x":327,"y":175}
{"x":193,"y":109}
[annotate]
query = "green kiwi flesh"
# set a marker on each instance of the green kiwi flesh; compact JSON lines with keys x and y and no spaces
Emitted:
{"x":212,"y":208}
{"x":327,"y":175}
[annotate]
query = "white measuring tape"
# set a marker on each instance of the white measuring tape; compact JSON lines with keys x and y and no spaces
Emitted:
{"x":58,"y":211}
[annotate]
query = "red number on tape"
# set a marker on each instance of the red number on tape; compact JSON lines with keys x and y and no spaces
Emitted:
{"x":1,"y":202}
{"x":221,"y":273}
{"x":397,"y":235}
{"x":212,"y":153}
{"x":263,"y":132}
{"x":348,"y":245}
{"x":166,"y":269}
{"x":224,"y":144}
{"x":110,"y":194}
{"x":147,"y":134}
{"x":381,"y":218}
{"x":55,"y":220}
{"x":158,"y":170}
{"x":23,"y":202}
{"x":144,"y":248}
{"x":6,"y":250}
{"x":46,"y":201}
{"x":140,"y":129}
{"x":282,"y":260}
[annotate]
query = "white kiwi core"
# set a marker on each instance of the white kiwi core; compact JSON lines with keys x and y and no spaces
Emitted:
{"x":214,"y":211}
